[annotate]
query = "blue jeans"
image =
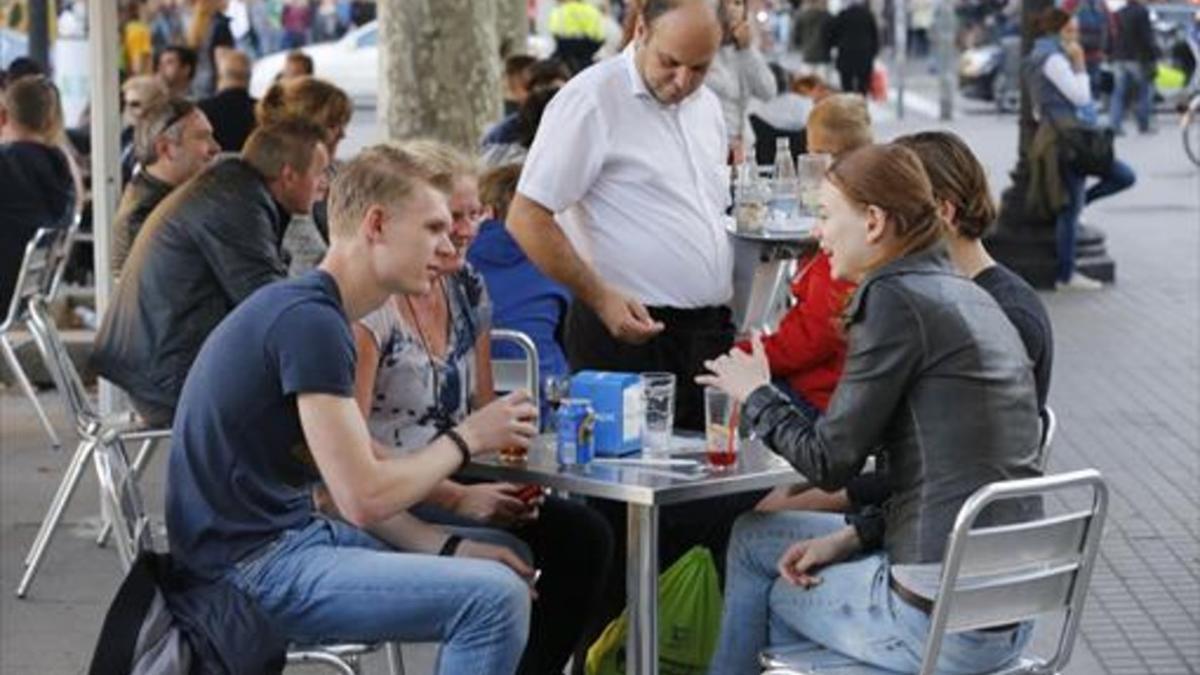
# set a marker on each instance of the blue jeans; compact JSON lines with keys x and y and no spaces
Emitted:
{"x":331,"y":582}
{"x":852,"y":611}
{"x":1131,"y":74}
{"x":1119,"y":177}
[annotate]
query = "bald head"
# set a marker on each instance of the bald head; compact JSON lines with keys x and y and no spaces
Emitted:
{"x":676,"y":43}
{"x":233,"y":70}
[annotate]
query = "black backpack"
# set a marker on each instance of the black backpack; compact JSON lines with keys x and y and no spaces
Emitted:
{"x":161,"y":624}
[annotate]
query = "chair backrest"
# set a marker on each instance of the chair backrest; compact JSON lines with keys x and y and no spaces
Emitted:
{"x":58,"y":362}
{"x":121,"y":501}
{"x":996,"y":575}
{"x":1049,"y":428}
{"x":512,"y":374}
{"x":36,"y":275}
{"x":62,"y":255}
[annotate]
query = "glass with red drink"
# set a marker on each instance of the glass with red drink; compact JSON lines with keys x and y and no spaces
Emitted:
{"x":721,"y":413}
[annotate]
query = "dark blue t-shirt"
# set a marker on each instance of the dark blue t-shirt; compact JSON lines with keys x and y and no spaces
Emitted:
{"x":240,"y":472}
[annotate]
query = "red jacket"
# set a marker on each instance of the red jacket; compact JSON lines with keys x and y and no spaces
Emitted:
{"x":809,"y":347}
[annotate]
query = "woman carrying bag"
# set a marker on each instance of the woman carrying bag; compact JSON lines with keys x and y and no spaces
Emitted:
{"x":1063,"y":102}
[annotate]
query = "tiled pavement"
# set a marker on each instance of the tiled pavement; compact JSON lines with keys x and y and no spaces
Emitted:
{"x":1126,"y":388}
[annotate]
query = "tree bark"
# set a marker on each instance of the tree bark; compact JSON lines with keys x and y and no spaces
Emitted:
{"x":512,"y":27}
{"x":440,"y":69}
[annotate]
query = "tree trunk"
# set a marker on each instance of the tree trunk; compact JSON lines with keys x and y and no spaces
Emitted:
{"x":440,"y":69}
{"x":512,"y":27}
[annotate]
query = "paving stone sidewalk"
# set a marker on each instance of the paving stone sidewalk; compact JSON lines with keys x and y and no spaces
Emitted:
{"x":1126,"y":388}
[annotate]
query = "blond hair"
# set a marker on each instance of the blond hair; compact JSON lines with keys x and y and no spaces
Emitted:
{"x":843,"y":120}
{"x":382,"y":175}
{"x":443,"y":158}
{"x":290,"y":143}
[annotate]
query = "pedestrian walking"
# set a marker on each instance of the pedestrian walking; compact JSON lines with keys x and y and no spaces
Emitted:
{"x":1135,"y":56}
{"x":854,"y":34}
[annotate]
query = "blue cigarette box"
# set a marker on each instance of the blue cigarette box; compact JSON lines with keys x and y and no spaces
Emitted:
{"x":617,"y":401}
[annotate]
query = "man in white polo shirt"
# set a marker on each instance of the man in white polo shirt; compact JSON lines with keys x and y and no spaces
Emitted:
{"x":630,"y":157}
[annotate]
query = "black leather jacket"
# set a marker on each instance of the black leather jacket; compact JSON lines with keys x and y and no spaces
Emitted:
{"x":208,"y":245}
{"x":937,"y":380}
{"x":142,"y":194}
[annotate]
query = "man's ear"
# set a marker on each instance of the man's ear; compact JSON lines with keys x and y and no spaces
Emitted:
{"x":373,"y":223}
{"x":876,"y":224}
{"x":163,"y":148}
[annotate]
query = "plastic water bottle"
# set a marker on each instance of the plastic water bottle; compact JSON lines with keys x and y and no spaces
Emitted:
{"x":784,"y":186}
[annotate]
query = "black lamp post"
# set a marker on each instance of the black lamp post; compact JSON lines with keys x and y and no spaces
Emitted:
{"x":1025,"y":242}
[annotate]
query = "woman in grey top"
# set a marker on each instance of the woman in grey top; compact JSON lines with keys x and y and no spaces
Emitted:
{"x":936,"y":380}
{"x":738,"y":73}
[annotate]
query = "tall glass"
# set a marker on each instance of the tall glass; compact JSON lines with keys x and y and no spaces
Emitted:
{"x":658,"y":421}
{"x":811,"y":170}
{"x":721,"y":413}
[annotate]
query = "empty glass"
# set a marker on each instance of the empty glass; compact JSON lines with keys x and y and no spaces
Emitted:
{"x":811,"y":170}
{"x":658,"y":411}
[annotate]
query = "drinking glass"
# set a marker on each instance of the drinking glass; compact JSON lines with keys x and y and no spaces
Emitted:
{"x":811,"y":170}
{"x":721,"y":413}
{"x":658,"y":420}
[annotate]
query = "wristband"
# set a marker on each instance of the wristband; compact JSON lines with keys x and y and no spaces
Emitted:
{"x":451,"y":546}
{"x":462,"y":445}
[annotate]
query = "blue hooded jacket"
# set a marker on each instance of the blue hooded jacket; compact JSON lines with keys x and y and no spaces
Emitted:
{"x":523,"y":298}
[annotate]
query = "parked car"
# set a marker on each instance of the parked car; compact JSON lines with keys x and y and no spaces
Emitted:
{"x":991,"y":72}
{"x":352,"y":62}
{"x":12,"y":45}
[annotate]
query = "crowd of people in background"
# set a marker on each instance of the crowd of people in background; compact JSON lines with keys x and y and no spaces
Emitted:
{"x":315,"y":327}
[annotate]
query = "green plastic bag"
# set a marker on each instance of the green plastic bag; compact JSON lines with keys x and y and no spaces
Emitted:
{"x":689,"y":620}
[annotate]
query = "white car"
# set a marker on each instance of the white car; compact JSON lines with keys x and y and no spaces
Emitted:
{"x":352,"y":63}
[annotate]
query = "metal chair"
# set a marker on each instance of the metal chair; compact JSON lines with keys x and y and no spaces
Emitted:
{"x":997,"y":575}
{"x":39,"y":269}
{"x":121,"y":501}
{"x":91,"y":427}
{"x":512,"y":374}
{"x":1049,"y":428}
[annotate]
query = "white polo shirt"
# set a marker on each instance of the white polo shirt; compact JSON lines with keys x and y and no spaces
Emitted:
{"x":639,"y":187}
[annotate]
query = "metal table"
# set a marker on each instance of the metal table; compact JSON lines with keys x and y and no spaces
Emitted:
{"x":644,"y":490}
{"x":762,"y":268}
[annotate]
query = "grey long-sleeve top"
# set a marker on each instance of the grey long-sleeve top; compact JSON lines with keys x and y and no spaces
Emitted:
{"x":736,"y":76}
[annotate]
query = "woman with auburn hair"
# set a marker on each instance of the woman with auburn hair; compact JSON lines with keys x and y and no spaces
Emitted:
{"x":311,"y":98}
{"x":306,"y":239}
{"x":935,"y":376}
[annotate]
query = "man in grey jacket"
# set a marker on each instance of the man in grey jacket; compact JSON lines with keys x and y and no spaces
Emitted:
{"x":201,"y":252}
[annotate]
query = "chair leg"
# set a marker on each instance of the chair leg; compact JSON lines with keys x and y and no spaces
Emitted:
{"x":62,"y":497}
{"x":395,"y":658}
{"x":335,"y":663}
{"x":10,"y":355}
{"x":139,"y":463}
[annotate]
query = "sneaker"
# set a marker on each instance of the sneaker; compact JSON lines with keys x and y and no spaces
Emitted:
{"x":1078,"y":282}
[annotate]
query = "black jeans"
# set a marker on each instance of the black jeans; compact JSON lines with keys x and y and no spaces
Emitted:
{"x":856,"y":76}
{"x":572,"y":545}
{"x":691,"y":337}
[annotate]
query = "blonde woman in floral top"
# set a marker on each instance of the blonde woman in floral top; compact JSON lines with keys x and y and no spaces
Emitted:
{"x":423,"y":364}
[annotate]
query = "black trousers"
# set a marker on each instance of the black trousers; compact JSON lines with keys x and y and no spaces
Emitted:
{"x":855,"y":76}
{"x":690,"y":338}
{"x":572,"y":545}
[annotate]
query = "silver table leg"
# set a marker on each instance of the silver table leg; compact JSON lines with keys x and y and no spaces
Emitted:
{"x":641,"y":578}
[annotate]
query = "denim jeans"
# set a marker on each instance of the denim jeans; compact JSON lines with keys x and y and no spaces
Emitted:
{"x":1131,"y":74}
{"x":852,"y":611}
{"x":1119,"y":177}
{"x":331,"y":582}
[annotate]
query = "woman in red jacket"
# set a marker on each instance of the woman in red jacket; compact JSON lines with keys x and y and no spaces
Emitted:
{"x":807,"y":350}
